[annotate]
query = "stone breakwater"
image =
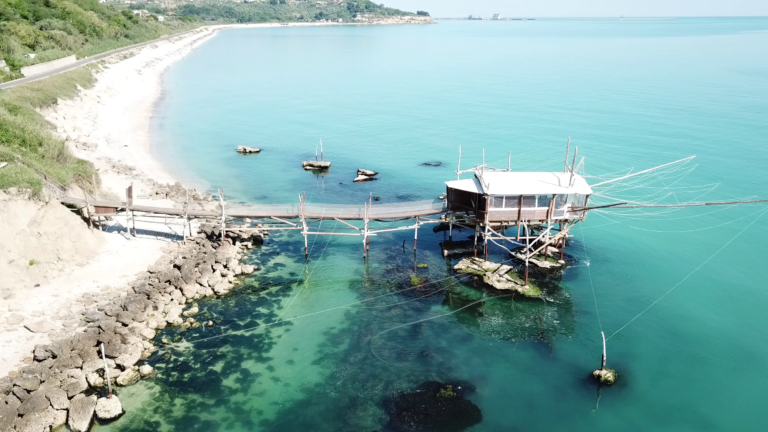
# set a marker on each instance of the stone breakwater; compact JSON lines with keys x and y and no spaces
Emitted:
{"x":62,"y":383}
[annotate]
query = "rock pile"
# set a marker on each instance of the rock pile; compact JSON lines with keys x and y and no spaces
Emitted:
{"x":498,"y":276}
{"x":365,"y":175}
{"x":52,"y":389}
{"x":176,"y":192}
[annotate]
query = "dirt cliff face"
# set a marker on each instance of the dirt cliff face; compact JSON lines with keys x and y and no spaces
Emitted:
{"x":40,"y":239}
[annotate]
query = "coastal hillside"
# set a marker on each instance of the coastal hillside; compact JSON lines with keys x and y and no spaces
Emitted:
{"x":36,"y":31}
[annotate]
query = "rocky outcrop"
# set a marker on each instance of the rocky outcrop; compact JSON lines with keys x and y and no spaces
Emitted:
{"x":498,"y":276}
{"x":52,"y":389}
{"x":365,"y":175}
{"x":315,"y":165}
{"x":247,"y":150}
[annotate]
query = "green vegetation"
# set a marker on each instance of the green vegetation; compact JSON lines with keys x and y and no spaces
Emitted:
{"x":422,"y":265}
{"x":53,"y":29}
{"x":25,"y":134}
{"x":416,"y":281}
{"x":32,"y":262}
{"x":447,"y":392}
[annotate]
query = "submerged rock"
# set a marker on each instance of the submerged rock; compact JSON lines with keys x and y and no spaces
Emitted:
{"x":432,"y":406}
{"x":432,"y":164}
{"x":368,"y":173}
{"x":498,"y":276}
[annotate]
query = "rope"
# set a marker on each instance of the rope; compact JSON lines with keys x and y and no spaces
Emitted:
{"x":591,"y":284}
{"x":689,"y":275}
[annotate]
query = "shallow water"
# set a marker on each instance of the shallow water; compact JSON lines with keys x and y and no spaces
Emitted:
{"x":318,"y":346}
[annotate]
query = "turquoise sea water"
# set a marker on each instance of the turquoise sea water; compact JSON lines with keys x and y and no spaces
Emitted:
{"x":630,"y":94}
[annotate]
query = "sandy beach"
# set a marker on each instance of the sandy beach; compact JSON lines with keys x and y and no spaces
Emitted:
{"x":74,"y":267}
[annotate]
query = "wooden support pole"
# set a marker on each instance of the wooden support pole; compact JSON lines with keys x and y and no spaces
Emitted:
{"x":450,"y":225}
{"x":88,"y":210}
{"x":321,"y":150}
{"x":573,"y":166}
{"x":602,"y":365}
{"x":106,"y":370}
{"x":567,"y":151}
{"x":416,"y":234}
{"x":223,"y":215}
{"x":519,"y":215}
{"x":475,"y":241}
{"x":562,"y":248}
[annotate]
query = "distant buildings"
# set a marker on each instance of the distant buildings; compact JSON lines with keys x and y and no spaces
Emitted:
{"x":496,"y":17}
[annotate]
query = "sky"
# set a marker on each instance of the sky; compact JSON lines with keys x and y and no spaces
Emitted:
{"x":584,"y":8}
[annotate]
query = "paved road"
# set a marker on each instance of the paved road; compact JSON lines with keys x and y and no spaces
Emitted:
{"x":85,"y":61}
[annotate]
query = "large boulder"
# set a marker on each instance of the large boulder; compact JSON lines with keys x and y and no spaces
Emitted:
{"x":432,"y":406}
{"x":37,"y":402}
{"x":365,"y":172}
{"x":41,"y":421}
{"x":6,"y":385}
{"x":75,"y":383}
{"x":127,"y":360}
{"x":81,"y":410}
{"x":128,"y":377}
{"x":8,"y":415}
{"x":108,"y":408}
{"x":28,"y":383}
{"x":58,"y":398}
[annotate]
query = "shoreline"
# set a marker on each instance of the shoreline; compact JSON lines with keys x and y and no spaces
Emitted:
{"x":109,"y":126}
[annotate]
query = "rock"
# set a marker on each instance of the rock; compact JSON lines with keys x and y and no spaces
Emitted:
{"x":58,"y":398}
{"x":432,"y":406}
{"x":191,"y":311}
{"x":605,"y":376}
{"x":8,"y":415}
{"x":247,"y":150}
{"x":94,"y":380}
{"x":20,"y":393}
{"x":59,"y":419}
{"x":130,"y":358}
{"x":432,"y":164}
{"x":81,"y":410}
{"x":368,"y":173}
{"x":316,"y":165}
{"x":128,"y":377}
{"x":14,"y":319}
{"x":40,"y":326}
{"x":37,"y":402}
{"x":146,"y":371}
{"x":108,"y":408}
{"x":93,"y":316}
{"x":39,"y":421}
{"x":363,"y":178}
{"x":28,"y":383}
{"x":498,"y":276}
{"x":74,"y":385}
{"x":248,"y":269}
{"x":42,"y":352}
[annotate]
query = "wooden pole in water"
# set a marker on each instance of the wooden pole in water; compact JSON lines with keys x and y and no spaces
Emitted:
{"x":602,"y":366}
{"x":223,"y":215}
{"x":475,"y":240}
{"x":365,"y":229}
{"x":321,"y":150}
{"x":567,"y":151}
{"x":415,"y":234}
{"x":315,"y":153}
{"x":450,"y":225}
{"x":573,"y":166}
{"x":458,"y":168}
{"x":485,"y":228}
{"x":562,"y":247}
{"x":106,"y":370}
{"x":302,"y":199}
{"x":527,"y":244}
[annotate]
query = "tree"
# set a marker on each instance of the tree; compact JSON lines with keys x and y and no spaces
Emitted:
{"x":422,"y":13}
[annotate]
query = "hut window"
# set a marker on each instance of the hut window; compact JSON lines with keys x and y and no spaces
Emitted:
{"x":529,"y":201}
{"x":497,"y":202}
{"x":560,"y":201}
{"x":512,"y":201}
{"x":543,"y":201}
